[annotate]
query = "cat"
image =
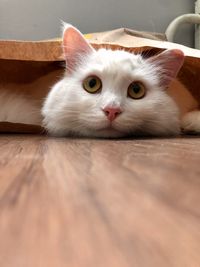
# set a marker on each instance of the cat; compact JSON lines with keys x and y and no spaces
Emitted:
{"x":113,"y":94}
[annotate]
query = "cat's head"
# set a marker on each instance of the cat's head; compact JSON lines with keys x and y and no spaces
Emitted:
{"x":109,"y":93}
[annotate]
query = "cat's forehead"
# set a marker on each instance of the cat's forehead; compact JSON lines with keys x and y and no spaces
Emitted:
{"x":116,"y":60}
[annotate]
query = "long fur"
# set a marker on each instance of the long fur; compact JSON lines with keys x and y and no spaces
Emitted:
{"x":166,"y":108}
{"x":69,"y":109}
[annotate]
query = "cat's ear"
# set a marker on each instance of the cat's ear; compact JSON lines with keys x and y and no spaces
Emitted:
{"x":168,"y":64}
{"x":75,"y":46}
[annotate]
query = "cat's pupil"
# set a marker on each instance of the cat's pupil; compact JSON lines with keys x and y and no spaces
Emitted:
{"x":136,"y":88}
{"x":92,"y":83}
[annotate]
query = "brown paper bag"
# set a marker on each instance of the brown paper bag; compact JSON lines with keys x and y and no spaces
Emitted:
{"x":31,"y":68}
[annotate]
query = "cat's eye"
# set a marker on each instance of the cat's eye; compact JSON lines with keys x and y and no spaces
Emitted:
{"x":92,"y":84}
{"x":136,"y":90}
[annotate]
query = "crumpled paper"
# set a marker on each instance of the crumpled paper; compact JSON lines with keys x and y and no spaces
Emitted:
{"x":31,"y":68}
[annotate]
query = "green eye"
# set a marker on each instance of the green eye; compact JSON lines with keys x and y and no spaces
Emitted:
{"x":92,"y":84}
{"x":136,"y":90}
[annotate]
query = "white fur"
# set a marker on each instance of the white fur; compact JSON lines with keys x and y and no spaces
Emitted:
{"x":190,"y":123}
{"x":69,"y":109}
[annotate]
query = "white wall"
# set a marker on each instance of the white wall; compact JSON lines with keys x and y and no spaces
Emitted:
{"x":40,"y":19}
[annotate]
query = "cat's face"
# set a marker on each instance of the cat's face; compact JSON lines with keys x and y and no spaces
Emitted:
{"x":111,"y":93}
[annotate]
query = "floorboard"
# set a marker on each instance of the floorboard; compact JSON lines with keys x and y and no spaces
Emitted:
{"x":99,"y":203}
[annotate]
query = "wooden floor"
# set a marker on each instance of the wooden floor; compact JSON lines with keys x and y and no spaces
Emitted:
{"x":99,"y":203}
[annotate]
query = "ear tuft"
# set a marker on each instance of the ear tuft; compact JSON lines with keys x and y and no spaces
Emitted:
{"x":168,"y":63}
{"x":75,"y":46}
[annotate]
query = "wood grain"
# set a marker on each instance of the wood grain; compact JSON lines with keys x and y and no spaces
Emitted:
{"x":99,"y":203}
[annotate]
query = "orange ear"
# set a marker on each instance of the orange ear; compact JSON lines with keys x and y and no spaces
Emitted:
{"x":75,"y":47}
{"x":168,"y":63}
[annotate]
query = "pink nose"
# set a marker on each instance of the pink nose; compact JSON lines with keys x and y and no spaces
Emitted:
{"x":111,"y":112}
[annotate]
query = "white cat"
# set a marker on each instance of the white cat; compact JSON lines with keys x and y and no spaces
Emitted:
{"x":109,"y":93}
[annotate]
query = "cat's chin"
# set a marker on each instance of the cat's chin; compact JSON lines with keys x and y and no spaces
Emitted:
{"x":108,"y":132}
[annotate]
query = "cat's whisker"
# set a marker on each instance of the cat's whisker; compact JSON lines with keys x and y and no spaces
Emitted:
{"x":73,"y":108}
